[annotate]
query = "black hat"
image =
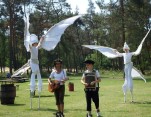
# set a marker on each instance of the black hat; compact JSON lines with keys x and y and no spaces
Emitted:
{"x":57,"y":61}
{"x":89,"y":62}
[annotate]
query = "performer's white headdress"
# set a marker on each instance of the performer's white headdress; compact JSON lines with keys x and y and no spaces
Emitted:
{"x":33,"y":39}
{"x":126,"y":46}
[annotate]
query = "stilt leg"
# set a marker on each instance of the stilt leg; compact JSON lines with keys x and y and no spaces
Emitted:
{"x":39,"y":100}
{"x":30,"y":102}
{"x":131,"y":96}
{"x":124,"y":98}
{"x":31,"y":96}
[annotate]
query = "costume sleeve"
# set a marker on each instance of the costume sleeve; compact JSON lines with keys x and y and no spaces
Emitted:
{"x":138,"y":51}
{"x":39,"y":46}
{"x":119,"y":54}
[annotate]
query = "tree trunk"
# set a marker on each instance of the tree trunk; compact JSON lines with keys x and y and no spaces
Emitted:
{"x":123,"y":30}
{"x":11,"y":36}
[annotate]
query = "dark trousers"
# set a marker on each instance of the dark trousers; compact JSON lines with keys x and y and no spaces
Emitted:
{"x":94,"y":96}
{"x":59,"y":95}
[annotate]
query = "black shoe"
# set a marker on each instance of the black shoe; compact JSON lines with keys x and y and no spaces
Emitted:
{"x":58,"y":114}
{"x":61,"y":115}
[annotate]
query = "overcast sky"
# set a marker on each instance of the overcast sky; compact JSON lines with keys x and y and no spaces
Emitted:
{"x":82,"y":5}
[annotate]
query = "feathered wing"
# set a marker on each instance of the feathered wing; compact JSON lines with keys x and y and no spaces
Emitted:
{"x":137,"y":52}
{"x":21,"y":70}
{"x":106,"y":51}
{"x":26,"y":32}
{"x":53,"y":36}
{"x":137,"y":74}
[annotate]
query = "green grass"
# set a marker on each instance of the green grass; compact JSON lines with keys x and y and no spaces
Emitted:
{"x":111,"y":99}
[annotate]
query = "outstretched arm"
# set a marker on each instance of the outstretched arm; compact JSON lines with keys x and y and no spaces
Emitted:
{"x":138,"y":51}
{"x":26,"y":33}
{"x":118,"y":53}
{"x":40,"y":42}
{"x":106,"y":51}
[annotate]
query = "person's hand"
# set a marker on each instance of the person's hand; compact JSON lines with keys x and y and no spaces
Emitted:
{"x":86,"y":84}
{"x":50,"y":83}
{"x":115,"y":50}
{"x":92,"y":83}
{"x":42,"y":38}
{"x":62,"y":81}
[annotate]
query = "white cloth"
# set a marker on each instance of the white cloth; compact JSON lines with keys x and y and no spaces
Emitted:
{"x":33,"y":39}
{"x":34,"y":52}
{"x":34,"y":64}
{"x":127,"y":57}
{"x":58,"y":76}
{"x":21,"y":70}
{"x":53,"y":36}
{"x":35,"y":72}
{"x":128,"y":83}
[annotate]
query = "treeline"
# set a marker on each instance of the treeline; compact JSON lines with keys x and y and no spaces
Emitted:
{"x":117,"y":22}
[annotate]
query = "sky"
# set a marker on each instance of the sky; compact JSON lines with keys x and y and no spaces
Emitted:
{"x":82,"y":5}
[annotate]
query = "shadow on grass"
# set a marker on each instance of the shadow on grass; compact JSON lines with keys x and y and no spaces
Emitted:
{"x":76,"y":110}
{"x":118,"y":111}
{"x":143,"y":102}
{"x":42,"y":109}
{"x":14,"y":104}
{"x":47,"y":96}
{"x":36,"y":96}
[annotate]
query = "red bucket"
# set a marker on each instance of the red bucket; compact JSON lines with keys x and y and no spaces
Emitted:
{"x":71,"y":86}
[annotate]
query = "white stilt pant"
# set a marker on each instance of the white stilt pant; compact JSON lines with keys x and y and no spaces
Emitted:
{"x":128,"y":83}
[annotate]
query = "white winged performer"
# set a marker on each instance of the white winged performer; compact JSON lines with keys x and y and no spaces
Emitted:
{"x":48,"y":42}
{"x":129,"y":70}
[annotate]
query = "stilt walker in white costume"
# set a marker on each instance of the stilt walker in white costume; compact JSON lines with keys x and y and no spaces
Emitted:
{"x":48,"y":42}
{"x":128,"y":65}
{"x":34,"y":64}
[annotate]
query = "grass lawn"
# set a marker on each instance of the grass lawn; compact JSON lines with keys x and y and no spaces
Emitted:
{"x":111,"y":99}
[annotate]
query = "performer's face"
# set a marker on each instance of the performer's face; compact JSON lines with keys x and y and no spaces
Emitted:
{"x":89,"y":66}
{"x":126,"y":50}
{"x":34,"y":44}
{"x":58,"y":65}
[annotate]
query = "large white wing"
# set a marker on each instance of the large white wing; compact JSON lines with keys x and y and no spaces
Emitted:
{"x":21,"y":70}
{"x":137,"y":52}
{"x":137,"y":74}
{"x":108,"y":52}
{"x":26,"y":32}
{"x":53,"y":36}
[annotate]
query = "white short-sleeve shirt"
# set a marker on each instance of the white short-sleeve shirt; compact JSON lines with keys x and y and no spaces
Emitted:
{"x":58,"y":76}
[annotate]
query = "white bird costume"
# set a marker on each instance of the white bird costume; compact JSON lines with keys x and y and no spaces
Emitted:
{"x":34,"y":64}
{"x":50,"y":41}
{"x":129,"y":70}
{"x":30,"y":39}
